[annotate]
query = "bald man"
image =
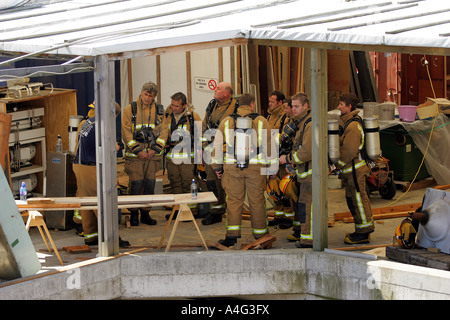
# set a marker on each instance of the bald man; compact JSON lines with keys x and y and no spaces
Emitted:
{"x":218,"y":109}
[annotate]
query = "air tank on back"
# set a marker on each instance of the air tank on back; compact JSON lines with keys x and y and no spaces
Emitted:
{"x":243,"y":141}
{"x":333,"y":140}
{"x":372,"y":133}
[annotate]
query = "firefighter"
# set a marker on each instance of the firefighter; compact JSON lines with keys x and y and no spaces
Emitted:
{"x":85,"y":170}
{"x":179,"y":151}
{"x":300,"y":159}
{"x":218,"y":108}
{"x":241,"y":169}
{"x":277,"y":118}
{"x":144,"y":138}
{"x":353,"y":170}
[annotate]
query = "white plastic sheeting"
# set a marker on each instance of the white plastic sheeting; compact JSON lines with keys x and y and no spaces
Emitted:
{"x":8,"y":4}
{"x":437,"y":159}
{"x":99,"y":27}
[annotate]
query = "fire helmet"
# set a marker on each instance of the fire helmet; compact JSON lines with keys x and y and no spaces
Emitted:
{"x":289,"y":188}
{"x":273,"y":189}
{"x":405,"y":234}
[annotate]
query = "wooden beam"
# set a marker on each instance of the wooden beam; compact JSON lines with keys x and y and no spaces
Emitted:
{"x":265,"y":242}
{"x":189,"y":77}
{"x":220,"y":63}
{"x":178,"y":48}
{"x":340,"y":216}
{"x":158,"y":76}
{"x":130,"y":80}
{"x":382,"y":216}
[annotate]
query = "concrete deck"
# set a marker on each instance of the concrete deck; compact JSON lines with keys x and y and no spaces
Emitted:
{"x":192,"y":272}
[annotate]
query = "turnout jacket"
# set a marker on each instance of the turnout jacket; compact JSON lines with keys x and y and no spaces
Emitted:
{"x":259,"y":124}
{"x":183,"y":123}
{"x":301,"y":155}
{"x":216,"y":112}
{"x":351,"y":144}
{"x":146,"y":116}
{"x":277,"y":118}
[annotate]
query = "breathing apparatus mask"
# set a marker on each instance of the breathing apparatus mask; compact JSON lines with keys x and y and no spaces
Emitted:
{"x":286,"y":138}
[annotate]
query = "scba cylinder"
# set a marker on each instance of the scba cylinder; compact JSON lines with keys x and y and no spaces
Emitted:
{"x":372,"y":132}
{"x":333,"y":140}
{"x":74,"y":121}
{"x":243,"y":141}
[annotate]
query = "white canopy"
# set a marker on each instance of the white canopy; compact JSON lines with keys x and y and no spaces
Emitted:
{"x":92,"y":28}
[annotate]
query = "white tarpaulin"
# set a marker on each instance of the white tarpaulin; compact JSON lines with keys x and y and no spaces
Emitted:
{"x":437,"y":159}
{"x":91,"y":28}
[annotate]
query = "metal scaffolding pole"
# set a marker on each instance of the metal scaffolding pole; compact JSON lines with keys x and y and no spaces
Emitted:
{"x":319,"y":115}
{"x":105,"y":137}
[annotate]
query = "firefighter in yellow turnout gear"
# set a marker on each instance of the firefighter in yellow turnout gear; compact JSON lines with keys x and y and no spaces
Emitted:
{"x":85,"y":170}
{"x":241,"y":172}
{"x":218,"y":108}
{"x":179,"y":151}
{"x":278,"y":118}
{"x":144,"y":138}
{"x":300,"y":158}
{"x":354,"y":170}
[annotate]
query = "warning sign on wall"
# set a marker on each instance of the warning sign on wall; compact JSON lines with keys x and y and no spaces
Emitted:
{"x":206,"y":84}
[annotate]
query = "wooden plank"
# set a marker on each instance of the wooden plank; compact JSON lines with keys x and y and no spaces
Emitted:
{"x":265,"y":242}
{"x":77,"y":249}
{"x":425,"y":183}
{"x":138,"y":201}
{"x":369,"y":247}
{"x":382,"y":216}
{"x":46,"y":206}
{"x":130,"y":81}
{"x":40,"y":200}
{"x":380,"y":211}
{"x":217,"y":245}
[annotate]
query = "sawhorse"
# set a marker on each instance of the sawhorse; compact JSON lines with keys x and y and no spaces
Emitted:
{"x":35,"y":219}
{"x":184,"y":214}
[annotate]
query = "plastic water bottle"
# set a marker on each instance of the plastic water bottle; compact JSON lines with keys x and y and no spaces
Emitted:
{"x":23,"y":191}
{"x":194,"y":189}
{"x":59,"y":146}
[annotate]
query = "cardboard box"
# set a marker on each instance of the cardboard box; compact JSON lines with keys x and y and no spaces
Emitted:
{"x":428,"y":109}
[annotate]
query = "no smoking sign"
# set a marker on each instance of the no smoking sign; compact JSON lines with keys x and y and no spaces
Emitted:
{"x":205,"y":84}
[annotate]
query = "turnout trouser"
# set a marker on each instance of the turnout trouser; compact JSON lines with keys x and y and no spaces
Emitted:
{"x":180,"y":176}
{"x":215,"y":185}
{"x":237,"y":183}
{"x":87,"y":186}
{"x":304,"y":209}
{"x":358,"y":201}
{"x":142,"y":178}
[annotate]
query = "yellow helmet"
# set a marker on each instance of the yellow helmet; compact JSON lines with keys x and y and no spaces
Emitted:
{"x":201,"y":174}
{"x":289,"y":188}
{"x":405,"y":234}
{"x":273,"y":189}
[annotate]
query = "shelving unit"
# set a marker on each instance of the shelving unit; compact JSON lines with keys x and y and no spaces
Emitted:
{"x":53,"y":107}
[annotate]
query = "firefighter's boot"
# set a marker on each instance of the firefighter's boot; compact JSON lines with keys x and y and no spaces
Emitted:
{"x":145,"y":218}
{"x":134,"y":218}
{"x":228,"y":241}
